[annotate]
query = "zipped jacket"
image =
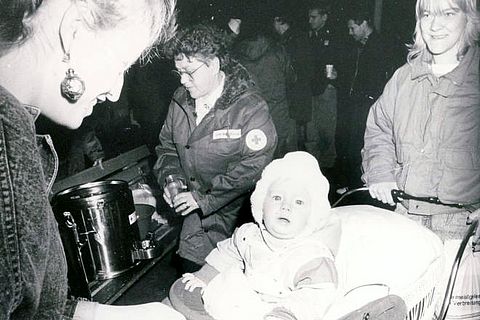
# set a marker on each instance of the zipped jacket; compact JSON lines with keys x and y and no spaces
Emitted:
{"x":221,"y":158}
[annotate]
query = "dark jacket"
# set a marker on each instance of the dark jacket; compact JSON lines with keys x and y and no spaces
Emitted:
{"x":366,"y":72}
{"x":221,"y":158}
{"x":33,"y":269}
{"x":323,"y":48}
{"x":362,"y":76}
{"x":309,"y":54}
{"x":299,"y":91}
{"x":269,"y":65}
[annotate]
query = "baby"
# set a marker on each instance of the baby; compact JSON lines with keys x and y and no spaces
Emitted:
{"x":281,"y":266}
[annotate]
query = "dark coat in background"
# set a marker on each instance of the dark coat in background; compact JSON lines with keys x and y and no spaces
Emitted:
{"x":309,"y":54}
{"x":269,"y":65}
{"x":299,"y":91}
{"x":363,"y":77}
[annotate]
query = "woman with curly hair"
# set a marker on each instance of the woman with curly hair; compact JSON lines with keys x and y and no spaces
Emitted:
{"x":218,"y":136}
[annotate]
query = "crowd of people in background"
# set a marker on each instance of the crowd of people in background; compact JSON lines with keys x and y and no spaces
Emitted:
{"x":287,"y":54}
{"x":242,"y":92}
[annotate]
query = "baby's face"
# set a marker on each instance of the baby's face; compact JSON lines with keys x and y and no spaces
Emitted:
{"x":286,"y":209}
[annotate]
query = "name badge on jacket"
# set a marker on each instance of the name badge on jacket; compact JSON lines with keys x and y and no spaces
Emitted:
{"x":227,"y":134}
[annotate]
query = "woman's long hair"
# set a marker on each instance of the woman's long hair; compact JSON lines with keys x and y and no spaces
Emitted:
{"x":469,"y":37}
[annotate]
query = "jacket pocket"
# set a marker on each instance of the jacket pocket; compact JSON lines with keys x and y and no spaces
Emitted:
{"x":460,"y":180}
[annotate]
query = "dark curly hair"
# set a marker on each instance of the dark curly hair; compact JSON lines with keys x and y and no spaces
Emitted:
{"x":202,"y":41}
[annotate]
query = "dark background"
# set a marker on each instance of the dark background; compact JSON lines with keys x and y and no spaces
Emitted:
{"x":398,"y":16}
{"x":148,"y":87}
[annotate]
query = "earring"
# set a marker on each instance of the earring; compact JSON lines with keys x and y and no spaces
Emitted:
{"x":72,"y":87}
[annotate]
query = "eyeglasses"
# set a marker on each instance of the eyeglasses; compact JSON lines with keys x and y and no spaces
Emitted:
{"x":189,"y":74}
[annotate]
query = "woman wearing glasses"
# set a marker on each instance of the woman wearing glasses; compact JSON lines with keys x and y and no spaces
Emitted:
{"x":218,"y":136}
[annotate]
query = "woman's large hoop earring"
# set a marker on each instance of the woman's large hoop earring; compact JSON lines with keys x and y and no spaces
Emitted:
{"x":72,"y":86}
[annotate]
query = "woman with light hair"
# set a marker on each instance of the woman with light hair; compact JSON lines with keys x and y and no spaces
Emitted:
{"x":58,"y":58}
{"x":468,"y":35}
{"x":423,"y":132}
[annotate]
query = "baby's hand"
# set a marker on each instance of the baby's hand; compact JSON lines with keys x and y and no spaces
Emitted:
{"x":192,"y":282}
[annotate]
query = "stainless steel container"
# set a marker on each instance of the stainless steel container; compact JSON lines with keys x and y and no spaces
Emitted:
{"x":97,"y":222}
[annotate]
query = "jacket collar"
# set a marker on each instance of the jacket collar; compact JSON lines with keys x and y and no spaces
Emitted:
{"x":49,"y":158}
{"x":237,"y":81}
{"x":420,"y":67}
{"x":33,"y":111}
{"x":320,"y":33}
{"x":7,"y":96}
{"x":457,"y":76}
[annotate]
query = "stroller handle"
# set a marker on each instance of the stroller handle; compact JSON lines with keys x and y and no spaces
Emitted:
{"x":399,"y":194}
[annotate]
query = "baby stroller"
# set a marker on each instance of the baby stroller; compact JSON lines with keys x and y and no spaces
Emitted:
{"x":376,"y":260}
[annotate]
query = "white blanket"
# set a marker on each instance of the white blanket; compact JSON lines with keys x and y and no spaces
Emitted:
{"x":382,"y":252}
